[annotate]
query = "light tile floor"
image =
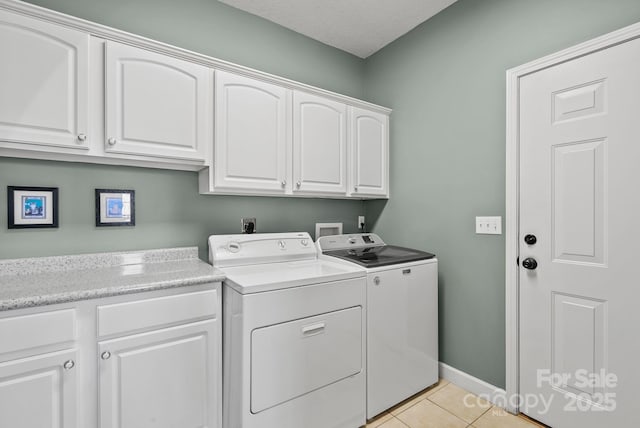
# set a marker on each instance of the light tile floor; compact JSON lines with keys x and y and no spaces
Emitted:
{"x":446,"y":405}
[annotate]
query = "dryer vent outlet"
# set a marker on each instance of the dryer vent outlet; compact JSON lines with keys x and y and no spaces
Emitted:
{"x":248,"y":225}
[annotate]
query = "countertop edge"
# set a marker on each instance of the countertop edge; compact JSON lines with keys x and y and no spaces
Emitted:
{"x":89,"y":294}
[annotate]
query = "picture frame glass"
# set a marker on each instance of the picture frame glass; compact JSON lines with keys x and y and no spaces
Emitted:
{"x":115,"y":207}
{"x":33,"y":208}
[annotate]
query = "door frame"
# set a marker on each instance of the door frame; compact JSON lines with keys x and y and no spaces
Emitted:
{"x":512,"y":189}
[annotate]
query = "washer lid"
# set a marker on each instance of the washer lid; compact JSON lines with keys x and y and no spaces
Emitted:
{"x":386,"y":255}
{"x":275,"y":276}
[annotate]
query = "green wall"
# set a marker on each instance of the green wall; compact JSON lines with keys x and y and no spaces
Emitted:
{"x":445,"y":81}
{"x":170,"y":212}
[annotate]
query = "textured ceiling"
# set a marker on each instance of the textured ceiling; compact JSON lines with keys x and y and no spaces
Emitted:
{"x":360,"y":27}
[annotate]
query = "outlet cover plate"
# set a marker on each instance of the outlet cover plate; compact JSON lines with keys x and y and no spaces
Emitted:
{"x":246,"y":220}
{"x":489,"y":225}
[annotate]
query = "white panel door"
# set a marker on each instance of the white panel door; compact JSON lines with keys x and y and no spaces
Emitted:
{"x":39,"y":391}
{"x":369,"y":153}
{"x":579,"y":153}
{"x":165,"y":378}
{"x":252,"y":137}
{"x":156,"y":105}
{"x":319,"y":144}
{"x":402,"y":334}
{"x":43,"y":83}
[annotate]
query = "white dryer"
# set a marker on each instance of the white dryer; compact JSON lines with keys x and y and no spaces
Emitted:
{"x":402,"y":315}
{"x":294,"y":334}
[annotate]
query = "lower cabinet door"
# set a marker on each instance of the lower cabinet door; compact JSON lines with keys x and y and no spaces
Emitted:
{"x":164,"y":378}
{"x":39,"y":391}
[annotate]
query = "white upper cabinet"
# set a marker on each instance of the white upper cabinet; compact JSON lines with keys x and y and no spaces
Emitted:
{"x":156,"y":105}
{"x":252,"y":138}
{"x":71,"y":90}
{"x":370,"y":153}
{"x":43,"y":84}
{"x":319,"y":144}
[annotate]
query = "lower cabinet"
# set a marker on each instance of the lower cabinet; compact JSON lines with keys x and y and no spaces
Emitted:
{"x":145,"y":360}
{"x":161,"y":378}
{"x":39,"y":391}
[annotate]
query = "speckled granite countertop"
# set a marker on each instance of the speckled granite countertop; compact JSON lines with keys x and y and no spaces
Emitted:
{"x":42,"y":281}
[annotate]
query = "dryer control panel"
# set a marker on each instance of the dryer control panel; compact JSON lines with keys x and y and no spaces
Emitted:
{"x":257,"y":248}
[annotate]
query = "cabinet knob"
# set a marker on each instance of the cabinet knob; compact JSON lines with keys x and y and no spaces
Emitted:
{"x":105,"y":355}
{"x":298,"y":183}
{"x":69,"y":364}
{"x":112,"y":141}
{"x":355,"y":188}
{"x":376,"y":280}
{"x":284,"y":183}
{"x":82,"y":137}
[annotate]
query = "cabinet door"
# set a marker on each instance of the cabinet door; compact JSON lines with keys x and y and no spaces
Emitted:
{"x":251,"y":134}
{"x":43,"y":83}
{"x":39,"y":391}
{"x":370,"y":153}
{"x":319,"y":144}
{"x":165,"y":378}
{"x":156,"y":105}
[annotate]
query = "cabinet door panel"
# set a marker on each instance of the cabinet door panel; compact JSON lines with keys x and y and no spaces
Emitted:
{"x":43,"y":82}
{"x":251,"y":134}
{"x":163,"y":378}
{"x":156,"y":105}
{"x":370,"y":148}
{"x":319,"y":144}
{"x":38,"y":392}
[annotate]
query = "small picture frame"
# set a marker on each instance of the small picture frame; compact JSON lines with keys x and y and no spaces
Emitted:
{"x":115,"y":207}
{"x":32,"y":207}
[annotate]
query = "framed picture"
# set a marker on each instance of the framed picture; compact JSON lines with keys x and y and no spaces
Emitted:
{"x":32,"y":207}
{"x":115,"y":207}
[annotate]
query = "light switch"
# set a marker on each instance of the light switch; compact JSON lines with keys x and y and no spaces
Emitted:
{"x":489,"y":225}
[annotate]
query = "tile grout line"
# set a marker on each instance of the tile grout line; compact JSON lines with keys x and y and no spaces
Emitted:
{"x":448,"y":411}
{"x":481,"y":415}
{"x":399,"y":420}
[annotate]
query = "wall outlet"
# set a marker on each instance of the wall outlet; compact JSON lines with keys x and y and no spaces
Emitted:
{"x":489,"y":225}
{"x":360,"y":222}
{"x":248,"y":225}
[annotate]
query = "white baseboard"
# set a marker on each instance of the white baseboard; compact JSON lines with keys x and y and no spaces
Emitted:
{"x":472,"y":384}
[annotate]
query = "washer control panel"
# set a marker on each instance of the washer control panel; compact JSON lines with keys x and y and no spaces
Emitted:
{"x":355,"y":240}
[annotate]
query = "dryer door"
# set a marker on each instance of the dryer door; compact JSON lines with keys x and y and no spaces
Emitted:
{"x":291,"y":359}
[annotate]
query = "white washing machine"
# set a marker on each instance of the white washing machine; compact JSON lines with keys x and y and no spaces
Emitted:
{"x":294,"y":334}
{"x":402,"y":315}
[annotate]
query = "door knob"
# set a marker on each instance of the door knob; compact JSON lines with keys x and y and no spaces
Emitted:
{"x":529,"y":263}
{"x":530,"y":239}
